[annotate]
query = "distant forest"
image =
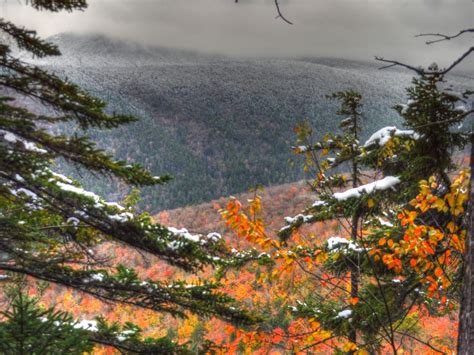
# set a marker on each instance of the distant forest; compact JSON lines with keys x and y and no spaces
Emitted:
{"x":218,"y":125}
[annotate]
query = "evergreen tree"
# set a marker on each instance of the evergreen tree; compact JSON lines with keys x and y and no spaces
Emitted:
{"x":28,"y":328}
{"x":49,"y":224}
{"x":409,"y":248}
{"x":344,"y":150}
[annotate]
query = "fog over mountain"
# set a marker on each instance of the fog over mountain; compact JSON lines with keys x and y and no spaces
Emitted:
{"x":351,"y":29}
{"x":220,"y":125}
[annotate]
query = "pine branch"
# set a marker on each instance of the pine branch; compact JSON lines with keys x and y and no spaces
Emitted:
{"x":60,"y":95}
{"x":174,"y":299}
{"x":58,"y":5}
{"x":28,"y":40}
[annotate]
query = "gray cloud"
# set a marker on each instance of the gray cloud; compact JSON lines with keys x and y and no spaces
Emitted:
{"x":356,"y":29}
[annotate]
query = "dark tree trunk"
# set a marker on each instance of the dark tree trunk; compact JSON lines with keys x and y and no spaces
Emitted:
{"x":354,"y":230}
{"x":466,"y":314}
{"x":354,"y":274}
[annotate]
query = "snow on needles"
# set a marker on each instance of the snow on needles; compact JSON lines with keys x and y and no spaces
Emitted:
{"x":184,"y":233}
{"x":77,"y":190}
{"x":383,"y":135}
{"x":196,"y":238}
{"x":335,"y":243}
{"x":99,"y":203}
{"x":344,"y":314}
{"x":90,"y":325}
{"x":13,"y":138}
{"x":387,"y":182}
{"x":304,"y":218}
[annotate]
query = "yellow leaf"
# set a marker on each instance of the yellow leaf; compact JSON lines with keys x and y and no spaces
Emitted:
{"x":370,"y":203}
{"x":451,"y":227}
{"x":349,"y":347}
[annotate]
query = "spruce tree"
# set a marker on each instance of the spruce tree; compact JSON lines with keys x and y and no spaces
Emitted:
{"x":333,"y":152}
{"x":28,"y":328}
{"x":49,"y":224}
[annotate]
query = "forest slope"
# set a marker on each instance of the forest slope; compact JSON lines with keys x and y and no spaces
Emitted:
{"x":219,"y":125}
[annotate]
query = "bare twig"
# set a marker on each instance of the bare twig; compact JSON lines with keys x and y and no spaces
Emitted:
{"x":435,"y":71}
{"x":443,"y":36}
{"x":426,"y":343}
{"x":280,"y":15}
{"x":421,"y":71}
{"x":459,"y":60}
{"x":394,"y":63}
{"x":455,"y":119}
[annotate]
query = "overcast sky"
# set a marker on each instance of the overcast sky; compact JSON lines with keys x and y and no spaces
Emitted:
{"x":355,"y":29}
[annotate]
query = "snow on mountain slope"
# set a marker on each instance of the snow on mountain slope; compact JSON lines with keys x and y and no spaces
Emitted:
{"x":220,"y":125}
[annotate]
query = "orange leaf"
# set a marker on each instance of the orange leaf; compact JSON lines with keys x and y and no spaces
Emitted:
{"x":354,"y":300}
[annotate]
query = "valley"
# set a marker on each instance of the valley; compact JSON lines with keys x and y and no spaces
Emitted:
{"x":218,"y":125}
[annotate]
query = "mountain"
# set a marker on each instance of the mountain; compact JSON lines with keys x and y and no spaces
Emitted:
{"x":219,"y":125}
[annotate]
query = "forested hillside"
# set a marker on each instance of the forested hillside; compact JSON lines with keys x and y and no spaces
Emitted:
{"x":247,"y":284}
{"x":218,"y":125}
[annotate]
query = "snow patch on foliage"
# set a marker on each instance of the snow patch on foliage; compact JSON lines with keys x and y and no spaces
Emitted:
{"x":301,"y":148}
{"x":304,"y":218}
{"x":379,"y":185}
{"x":184,"y":233}
{"x":13,"y":138}
{"x":26,"y":192}
{"x":335,"y":243}
{"x":90,"y":325}
{"x":78,"y":191}
{"x":344,"y":314}
{"x":214,"y":237}
{"x":319,"y":203}
{"x":125,"y":335}
{"x":66,"y":185}
{"x":114,"y":204}
{"x":383,"y":135}
{"x":98,"y":277}
{"x":61,"y":177}
{"x":384,"y":222}
{"x":461,"y":109}
{"x":73,"y":221}
{"x":122,"y":217}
